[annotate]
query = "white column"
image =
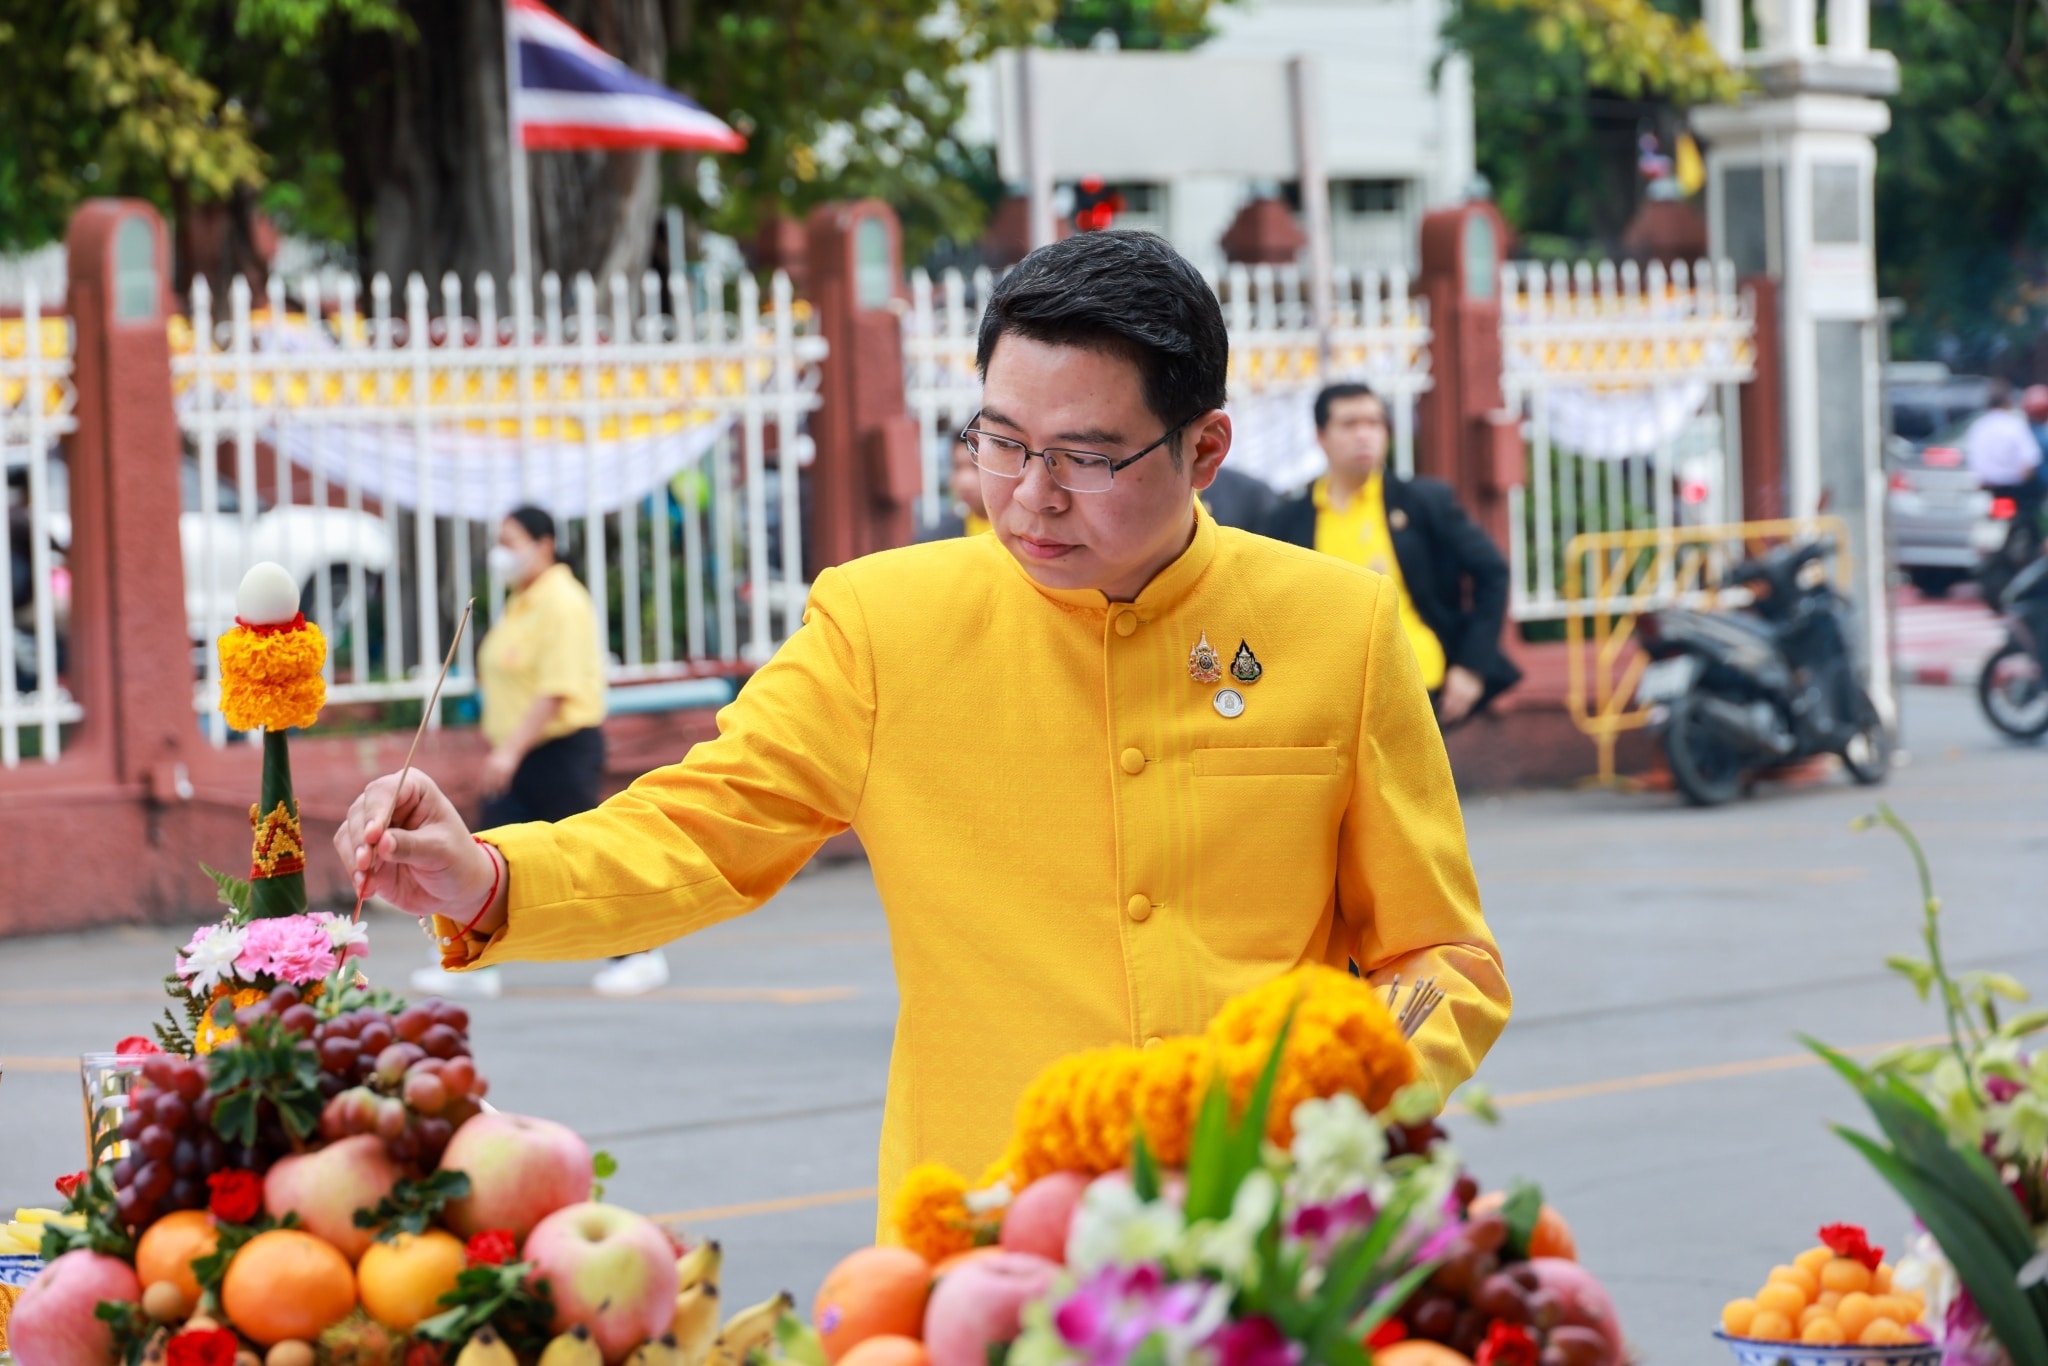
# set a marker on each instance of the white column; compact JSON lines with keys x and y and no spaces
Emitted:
{"x":1031,"y":97}
{"x":1315,"y":188}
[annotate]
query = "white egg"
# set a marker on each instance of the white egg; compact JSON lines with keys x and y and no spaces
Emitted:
{"x":269,"y":595}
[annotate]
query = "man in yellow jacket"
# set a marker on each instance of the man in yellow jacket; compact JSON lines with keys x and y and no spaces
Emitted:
{"x":1111,"y":765}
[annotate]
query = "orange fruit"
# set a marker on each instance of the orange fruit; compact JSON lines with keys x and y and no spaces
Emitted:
{"x":875,"y":1292}
{"x":1418,"y":1352}
{"x":401,"y":1282}
{"x":168,"y":1247}
{"x":287,"y":1284}
{"x":887,"y":1349}
{"x":1552,"y":1236}
{"x":1735,"y":1317}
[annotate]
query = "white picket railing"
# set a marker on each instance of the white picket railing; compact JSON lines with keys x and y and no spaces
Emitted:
{"x":1627,"y":382}
{"x":394,"y":441}
{"x":37,"y":408}
{"x":1378,"y":333}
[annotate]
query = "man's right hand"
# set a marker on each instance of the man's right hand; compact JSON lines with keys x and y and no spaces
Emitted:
{"x":416,"y":854}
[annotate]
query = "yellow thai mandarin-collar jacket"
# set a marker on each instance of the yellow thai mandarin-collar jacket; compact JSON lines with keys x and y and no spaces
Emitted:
{"x":1074,"y":845}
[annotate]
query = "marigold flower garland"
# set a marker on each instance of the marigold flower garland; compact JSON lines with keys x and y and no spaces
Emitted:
{"x":1082,"y":1111}
{"x":270,"y":675}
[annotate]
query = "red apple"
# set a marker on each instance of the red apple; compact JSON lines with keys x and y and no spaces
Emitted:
{"x":1582,"y":1301}
{"x":53,"y":1323}
{"x":520,"y":1171}
{"x":980,"y":1304}
{"x":327,"y":1186}
{"x":610,"y":1270}
{"x":1038,"y":1218}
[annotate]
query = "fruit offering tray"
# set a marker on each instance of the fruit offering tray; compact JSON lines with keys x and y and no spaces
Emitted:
{"x":324,"y":1186}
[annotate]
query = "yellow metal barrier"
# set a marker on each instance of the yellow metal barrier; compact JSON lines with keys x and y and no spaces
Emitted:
{"x":1632,"y":572}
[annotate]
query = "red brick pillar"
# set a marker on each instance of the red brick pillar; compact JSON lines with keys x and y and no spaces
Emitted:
{"x":866,"y":477}
{"x":1466,"y":438}
{"x":132,"y":658}
{"x":1763,"y":409}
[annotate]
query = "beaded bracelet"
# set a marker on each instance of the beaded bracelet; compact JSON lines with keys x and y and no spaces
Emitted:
{"x":497,"y":874}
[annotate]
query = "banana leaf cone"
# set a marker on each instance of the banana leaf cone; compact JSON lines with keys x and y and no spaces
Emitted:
{"x":277,"y":863}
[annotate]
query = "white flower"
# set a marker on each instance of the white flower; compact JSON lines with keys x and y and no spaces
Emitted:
{"x":1925,"y":1269}
{"x":1229,"y":1246}
{"x":351,"y":939}
{"x":210,"y":958}
{"x":1113,"y":1227}
{"x":1338,"y":1148}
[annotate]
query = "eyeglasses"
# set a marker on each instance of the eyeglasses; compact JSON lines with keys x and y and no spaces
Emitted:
{"x":1074,"y":471}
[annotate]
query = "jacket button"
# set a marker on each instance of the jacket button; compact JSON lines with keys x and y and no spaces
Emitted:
{"x":1126,"y":623}
{"x":1133,"y":761}
{"x":1154,"y":1041}
{"x":1138,"y":907}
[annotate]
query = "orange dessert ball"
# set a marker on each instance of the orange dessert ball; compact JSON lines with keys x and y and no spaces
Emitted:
{"x":1780,"y":1298}
{"x":1771,"y":1326}
{"x":1845,"y":1275}
{"x":1822,"y":1330}
{"x":1882,"y":1333}
{"x":1736,"y":1316}
{"x":1881,"y":1279}
{"x":1808,"y":1283}
{"x":1813,"y":1259}
{"x":1855,"y":1312}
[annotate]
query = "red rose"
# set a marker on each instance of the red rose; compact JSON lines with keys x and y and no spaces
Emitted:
{"x":135,"y":1044}
{"x":1507,"y":1344}
{"x":237,"y":1195}
{"x":1386,"y":1335}
{"x":204,"y":1347}
{"x":1848,"y":1240}
{"x":492,"y":1247}
{"x":68,"y":1185}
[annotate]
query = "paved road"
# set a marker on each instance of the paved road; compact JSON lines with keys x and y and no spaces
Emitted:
{"x":1663,"y":960}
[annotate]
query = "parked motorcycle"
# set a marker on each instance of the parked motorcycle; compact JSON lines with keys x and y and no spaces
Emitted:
{"x":2018,"y":545}
{"x":2013,"y":689}
{"x":1736,"y":692}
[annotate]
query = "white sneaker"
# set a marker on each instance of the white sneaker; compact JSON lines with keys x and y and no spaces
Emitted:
{"x":633,"y":975}
{"x":482,"y":983}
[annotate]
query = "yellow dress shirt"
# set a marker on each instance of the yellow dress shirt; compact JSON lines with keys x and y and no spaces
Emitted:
{"x":1074,"y":846}
{"x":973,"y":524}
{"x":545,"y":646}
{"x":1359,"y":533}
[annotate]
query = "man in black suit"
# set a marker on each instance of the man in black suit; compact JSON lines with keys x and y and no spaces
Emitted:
{"x":1453,"y":579}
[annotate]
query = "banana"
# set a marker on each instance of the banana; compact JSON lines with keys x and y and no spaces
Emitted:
{"x":700,"y":1263}
{"x":696,"y":1323}
{"x":750,"y":1330}
{"x":660,"y":1352}
{"x":486,"y":1349}
{"x":573,"y":1348}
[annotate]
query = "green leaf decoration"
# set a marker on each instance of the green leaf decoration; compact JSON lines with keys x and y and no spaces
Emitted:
{"x":413,"y":1206}
{"x":1523,"y":1208}
{"x":102,"y":1231}
{"x":1144,"y":1169}
{"x":523,"y":1312}
{"x":265,"y":1065}
{"x":212,"y":1269}
{"x":1222,"y":1153}
{"x":234,"y":891}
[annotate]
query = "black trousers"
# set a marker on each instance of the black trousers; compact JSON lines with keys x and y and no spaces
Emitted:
{"x":554,"y":780}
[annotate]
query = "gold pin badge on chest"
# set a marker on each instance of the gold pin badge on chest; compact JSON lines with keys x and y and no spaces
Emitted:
{"x":1204,"y":666}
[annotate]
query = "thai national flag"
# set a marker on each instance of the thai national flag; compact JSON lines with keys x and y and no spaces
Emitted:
{"x":573,"y":94}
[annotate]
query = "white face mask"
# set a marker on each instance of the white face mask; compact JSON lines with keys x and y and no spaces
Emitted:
{"x":506,"y":562}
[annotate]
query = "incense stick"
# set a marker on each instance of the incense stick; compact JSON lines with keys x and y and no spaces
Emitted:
{"x":426,"y":715}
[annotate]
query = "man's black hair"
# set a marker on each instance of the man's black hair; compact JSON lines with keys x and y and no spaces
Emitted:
{"x":1127,"y":293}
{"x":534,"y":521}
{"x":1334,"y":394}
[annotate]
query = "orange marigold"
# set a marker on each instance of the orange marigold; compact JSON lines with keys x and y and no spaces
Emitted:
{"x":209,"y":1036}
{"x":270,"y":679}
{"x":1344,"y":1039}
{"x":1168,"y":1091}
{"x":930,"y":1213}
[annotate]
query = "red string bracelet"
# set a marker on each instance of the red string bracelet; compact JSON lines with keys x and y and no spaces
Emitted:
{"x":497,"y":874}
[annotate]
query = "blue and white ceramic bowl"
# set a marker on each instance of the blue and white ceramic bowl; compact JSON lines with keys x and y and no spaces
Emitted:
{"x":1755,"y":1352}
{"x":19,"y":1269}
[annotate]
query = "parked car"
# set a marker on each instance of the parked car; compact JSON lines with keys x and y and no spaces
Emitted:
{"x":1941,"y":520}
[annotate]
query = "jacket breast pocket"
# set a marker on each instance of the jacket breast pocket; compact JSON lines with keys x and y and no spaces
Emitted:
{"x":1266,"y":819}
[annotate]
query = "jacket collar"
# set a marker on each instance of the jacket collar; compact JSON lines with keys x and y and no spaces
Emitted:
{"x":1167,"y":588}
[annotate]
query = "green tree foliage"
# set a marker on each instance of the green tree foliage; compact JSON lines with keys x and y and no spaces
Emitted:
{"x":1962,"y":180}
{"x":1561,"y":91}
{"x":1171,"y":25}
{"x":176,"y":100}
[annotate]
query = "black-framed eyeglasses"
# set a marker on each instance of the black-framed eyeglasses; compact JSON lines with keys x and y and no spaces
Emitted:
{"x":1074,"y":471}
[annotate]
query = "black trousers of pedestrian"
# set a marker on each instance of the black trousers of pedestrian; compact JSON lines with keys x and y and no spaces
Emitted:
{"x":554,"y":780}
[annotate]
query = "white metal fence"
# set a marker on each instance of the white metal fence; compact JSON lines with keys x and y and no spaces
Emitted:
{"x":1627,"y":382}
{"x":1378,"y":333}
{"x":372,"y":449}
{"x":37,"y":406}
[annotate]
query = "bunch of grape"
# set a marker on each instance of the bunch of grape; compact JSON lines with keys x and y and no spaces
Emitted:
{"x":171,"y":1146}
{"x":408,"y":1078}
{"x":1475,"y":1287}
